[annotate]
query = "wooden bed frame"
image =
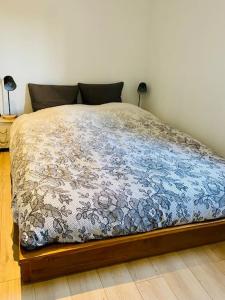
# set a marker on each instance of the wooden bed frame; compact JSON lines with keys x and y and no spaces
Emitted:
{"x":62,"y":259}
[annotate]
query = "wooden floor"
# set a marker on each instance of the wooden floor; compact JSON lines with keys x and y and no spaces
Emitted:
{"x":197,"y":273}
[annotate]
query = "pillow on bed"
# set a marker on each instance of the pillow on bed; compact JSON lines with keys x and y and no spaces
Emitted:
{"x":94,"y":94}
{"x":44,"y":96}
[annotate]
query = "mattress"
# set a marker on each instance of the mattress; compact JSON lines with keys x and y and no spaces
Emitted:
{"x":92,"y":172}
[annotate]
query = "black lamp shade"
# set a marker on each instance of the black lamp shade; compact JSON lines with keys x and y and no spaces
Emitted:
{"x":9,"y":83}
{"x":142,"y":88}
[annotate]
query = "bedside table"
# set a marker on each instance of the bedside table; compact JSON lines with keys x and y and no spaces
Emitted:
{"x":5,"y":133}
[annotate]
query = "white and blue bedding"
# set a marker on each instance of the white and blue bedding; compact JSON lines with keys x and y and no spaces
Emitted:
{"x":92,"y":172}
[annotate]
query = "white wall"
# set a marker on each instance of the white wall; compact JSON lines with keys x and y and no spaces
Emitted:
{"x":63,"y":42}
{"x":187,"y":67}
{"x":178,"y":46}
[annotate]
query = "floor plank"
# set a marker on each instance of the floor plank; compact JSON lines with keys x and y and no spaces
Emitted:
{"x":221,"y":266}
{"x":207,"y":273}
{"x":9,"y":268}
{"x":155,"y":289}
{"x":141,"y":269}
{"x":10,"y":290}
{"x":52,"y":289}
{"x":28,"y":292}
{"x":179,"y":277}
{"x":118,"y":283}
{"x":86,"y":285}
{"x":219,"y":250}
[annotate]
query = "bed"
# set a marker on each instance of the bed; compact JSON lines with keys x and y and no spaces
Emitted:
{"x":90,"y":181}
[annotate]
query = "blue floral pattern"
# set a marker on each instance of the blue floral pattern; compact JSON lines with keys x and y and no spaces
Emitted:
{"x":81,"y":173}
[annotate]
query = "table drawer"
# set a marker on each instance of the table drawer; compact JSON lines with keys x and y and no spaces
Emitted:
{"x":4,"y":136}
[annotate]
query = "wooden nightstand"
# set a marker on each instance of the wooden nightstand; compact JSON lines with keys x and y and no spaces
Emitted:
{"x":5,"y":133}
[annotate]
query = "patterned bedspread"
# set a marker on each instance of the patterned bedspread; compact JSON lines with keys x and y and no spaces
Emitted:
{"x":90,"y":172}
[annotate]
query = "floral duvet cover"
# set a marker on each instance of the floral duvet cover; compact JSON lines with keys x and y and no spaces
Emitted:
{"x":91,"y":172}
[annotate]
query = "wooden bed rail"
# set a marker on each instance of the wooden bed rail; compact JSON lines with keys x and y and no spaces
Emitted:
{"x":62,"y":259}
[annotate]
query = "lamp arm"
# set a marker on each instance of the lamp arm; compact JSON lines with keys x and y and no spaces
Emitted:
{"x":139,"y":101}
{"x":9,"y":104}
{"x":2,"y":97}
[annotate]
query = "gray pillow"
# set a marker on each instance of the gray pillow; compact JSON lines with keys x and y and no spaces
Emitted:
{"x":44,"y":96}
{"x":94,"y":94}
